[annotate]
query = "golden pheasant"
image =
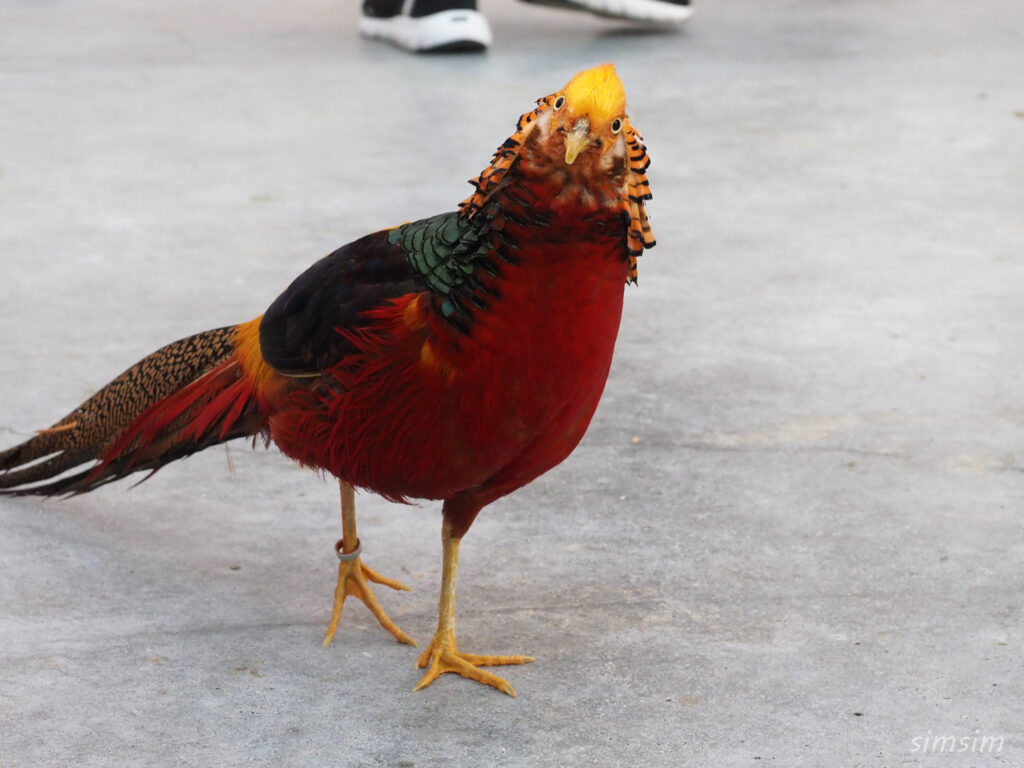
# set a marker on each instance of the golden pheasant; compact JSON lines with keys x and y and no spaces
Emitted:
{"x":457,"y":357}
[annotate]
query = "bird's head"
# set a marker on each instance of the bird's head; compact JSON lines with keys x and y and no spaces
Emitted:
{"x":587,"y":117}
{"x":580,"y":141}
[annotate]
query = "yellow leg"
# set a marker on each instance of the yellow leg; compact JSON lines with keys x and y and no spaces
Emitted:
{"x":353,"y":575}
{"x":441,"y":654}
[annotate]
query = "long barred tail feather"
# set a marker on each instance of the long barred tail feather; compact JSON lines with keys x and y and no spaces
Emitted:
{"x":184,"y":397}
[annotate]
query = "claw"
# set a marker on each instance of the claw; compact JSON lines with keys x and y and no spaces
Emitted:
{"x":352,"y":580}
{"x":441,"y":655}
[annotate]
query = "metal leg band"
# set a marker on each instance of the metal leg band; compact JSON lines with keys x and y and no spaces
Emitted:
{"x":347,"y":557}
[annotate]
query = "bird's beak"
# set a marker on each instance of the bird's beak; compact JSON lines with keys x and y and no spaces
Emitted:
{"x":577,"y":140}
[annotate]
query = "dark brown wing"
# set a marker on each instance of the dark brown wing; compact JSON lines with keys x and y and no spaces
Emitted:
{"x":443,"y":255}
{"x":298,"y":333}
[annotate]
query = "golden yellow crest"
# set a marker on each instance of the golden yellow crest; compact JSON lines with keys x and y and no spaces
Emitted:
{"x":597,"y":94}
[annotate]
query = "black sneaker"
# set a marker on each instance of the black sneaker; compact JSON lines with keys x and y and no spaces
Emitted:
{"x":653,"y":12}
{"x":426,"y":25}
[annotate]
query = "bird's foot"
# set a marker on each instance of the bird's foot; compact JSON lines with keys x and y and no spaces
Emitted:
{"x":442,"y":656}
{"x":353,"y":576}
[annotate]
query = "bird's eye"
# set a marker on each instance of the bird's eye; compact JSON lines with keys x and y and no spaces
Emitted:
{"x":559,"y":103}
{"x":616,"y":125}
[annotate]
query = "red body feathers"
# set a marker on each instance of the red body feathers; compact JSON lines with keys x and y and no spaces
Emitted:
{"x":422,"y":410}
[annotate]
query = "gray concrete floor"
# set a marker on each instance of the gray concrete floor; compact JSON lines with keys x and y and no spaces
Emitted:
{"x":794,"y":535}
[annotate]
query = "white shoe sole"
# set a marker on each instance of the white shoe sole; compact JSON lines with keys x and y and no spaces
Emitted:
{"x":642,"y":11}
{"x":444,"y":30}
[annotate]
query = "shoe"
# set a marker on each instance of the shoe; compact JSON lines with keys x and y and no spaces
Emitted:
{"x":426,"y":25}
{"x":652,"y":12}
